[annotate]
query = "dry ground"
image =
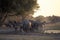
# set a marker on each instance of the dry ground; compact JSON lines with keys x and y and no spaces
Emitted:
{"x":28,"y":37}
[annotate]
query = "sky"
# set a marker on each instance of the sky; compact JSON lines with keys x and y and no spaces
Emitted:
{"x":48,"y":8}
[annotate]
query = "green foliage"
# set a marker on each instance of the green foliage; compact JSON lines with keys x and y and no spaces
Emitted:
{"x":18,"y":6}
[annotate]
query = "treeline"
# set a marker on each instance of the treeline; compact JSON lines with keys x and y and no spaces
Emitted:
{"x":49,"y":19}
{"x":53,"y":19}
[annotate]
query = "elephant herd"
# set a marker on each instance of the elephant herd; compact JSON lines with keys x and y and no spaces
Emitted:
{"x":25,"y":25}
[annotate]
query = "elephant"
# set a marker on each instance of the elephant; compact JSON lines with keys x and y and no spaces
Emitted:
{"x":11,"y":24}
{"x":30,"y":25}
{"x":25,"y":25}
{"x":36,"y":26}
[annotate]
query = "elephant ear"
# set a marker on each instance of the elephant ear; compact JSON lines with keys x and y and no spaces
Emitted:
{"x":30,"y":24}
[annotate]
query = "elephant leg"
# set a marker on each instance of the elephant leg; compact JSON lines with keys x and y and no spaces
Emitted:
{"x":15,"y":28}
{"x":21,"y":29}
{"x":25,"y":29}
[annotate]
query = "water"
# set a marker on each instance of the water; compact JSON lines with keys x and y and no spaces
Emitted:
{"x":52,"y":31}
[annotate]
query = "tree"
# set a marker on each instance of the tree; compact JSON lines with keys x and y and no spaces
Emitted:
{"x":55,"y":19}
{"x":40,"y":18}
{"x":16,"y":7}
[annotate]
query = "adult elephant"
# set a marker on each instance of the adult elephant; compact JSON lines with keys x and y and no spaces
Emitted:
{"x":36,"y":25}
{"x":26,"y":24}
{"x":8,"y":24}
{"x":12,"y":24}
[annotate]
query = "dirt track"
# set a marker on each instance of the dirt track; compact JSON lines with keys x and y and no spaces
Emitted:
{"x":28,"y":37}
{"x":11,"y":35}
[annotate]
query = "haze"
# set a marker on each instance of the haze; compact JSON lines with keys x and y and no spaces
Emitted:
{"x":48,"y":8}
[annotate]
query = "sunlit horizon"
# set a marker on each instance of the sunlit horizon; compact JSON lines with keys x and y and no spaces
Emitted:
{"x":48,"y":8}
